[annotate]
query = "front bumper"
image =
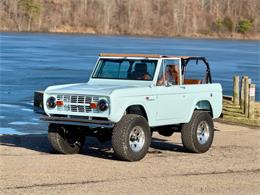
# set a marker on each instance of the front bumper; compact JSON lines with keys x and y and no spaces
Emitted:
{"x":79,"y":122}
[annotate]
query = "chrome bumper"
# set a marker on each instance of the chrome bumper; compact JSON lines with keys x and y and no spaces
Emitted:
{"x":79,"y":122}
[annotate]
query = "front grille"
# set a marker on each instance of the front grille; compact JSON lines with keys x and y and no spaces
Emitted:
{"x":79,"y":108}
{"x":77,"y":103}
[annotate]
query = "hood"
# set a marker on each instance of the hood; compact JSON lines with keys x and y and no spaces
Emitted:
{"x":84,"y":89}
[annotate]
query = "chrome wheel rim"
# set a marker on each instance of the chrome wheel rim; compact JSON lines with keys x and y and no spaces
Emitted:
{"x":203,"y":132}
{"x":136,"y":139}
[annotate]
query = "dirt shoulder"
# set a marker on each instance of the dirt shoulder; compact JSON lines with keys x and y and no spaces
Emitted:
{"x":231,"y":166}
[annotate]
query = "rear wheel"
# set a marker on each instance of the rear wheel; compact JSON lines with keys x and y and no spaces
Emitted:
{"x":197,"y":135}
{"x":131,"y":138}
{"x":65,"y":140}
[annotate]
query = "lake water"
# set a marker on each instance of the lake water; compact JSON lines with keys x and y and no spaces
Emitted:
{"x":33,"y":61}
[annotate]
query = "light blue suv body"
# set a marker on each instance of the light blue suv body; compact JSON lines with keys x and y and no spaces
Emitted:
{"x":122,"y":84}
{"x":163,"y":105}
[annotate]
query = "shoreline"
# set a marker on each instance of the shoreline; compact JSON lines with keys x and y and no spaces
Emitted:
{"x":236,"y":37}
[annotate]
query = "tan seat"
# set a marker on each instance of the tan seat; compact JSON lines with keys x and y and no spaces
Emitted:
{"x":192,"y":81}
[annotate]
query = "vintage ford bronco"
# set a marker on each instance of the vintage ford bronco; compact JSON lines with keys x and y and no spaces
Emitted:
{"x":128,"y":96}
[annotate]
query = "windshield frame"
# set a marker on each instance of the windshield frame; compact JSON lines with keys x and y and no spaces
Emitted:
{"x":98,"y":64}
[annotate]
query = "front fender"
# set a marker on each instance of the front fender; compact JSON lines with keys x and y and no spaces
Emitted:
{"x":119,"y":107}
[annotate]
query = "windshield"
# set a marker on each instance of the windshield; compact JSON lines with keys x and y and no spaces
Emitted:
{"x":126,"y":69}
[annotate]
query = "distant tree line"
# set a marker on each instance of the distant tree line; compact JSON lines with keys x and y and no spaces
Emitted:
{"x":134,"y":17}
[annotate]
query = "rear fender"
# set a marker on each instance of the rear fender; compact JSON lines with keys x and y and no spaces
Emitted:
{"x":203,"y":105}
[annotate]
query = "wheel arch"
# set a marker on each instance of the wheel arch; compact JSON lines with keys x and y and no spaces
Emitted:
{"x":202,"y":105}
{"x":137,"y":109}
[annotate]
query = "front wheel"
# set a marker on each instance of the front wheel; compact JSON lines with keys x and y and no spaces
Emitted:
{"x":131,"y":138}
{"x":65,"y":140}
{"x":197,"y":135}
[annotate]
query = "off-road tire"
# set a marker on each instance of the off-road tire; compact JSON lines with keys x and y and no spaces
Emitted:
{"x":189,"y":132}
{"x":122,"y":134}
{"x":65,"y":143}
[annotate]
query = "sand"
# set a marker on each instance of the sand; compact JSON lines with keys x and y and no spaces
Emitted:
{"x":232,"y":166}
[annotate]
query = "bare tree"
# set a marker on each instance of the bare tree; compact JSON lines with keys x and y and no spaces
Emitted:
{"x":145,"y":17}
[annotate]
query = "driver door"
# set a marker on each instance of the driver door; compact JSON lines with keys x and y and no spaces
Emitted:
{"x":171,"y":96}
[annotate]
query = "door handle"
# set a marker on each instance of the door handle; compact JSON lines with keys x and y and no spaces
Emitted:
{"x":150,"y":98}
{"x":182,"y":87}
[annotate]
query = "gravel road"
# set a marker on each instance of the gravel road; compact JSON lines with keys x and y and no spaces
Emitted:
{"x":231,"y":166}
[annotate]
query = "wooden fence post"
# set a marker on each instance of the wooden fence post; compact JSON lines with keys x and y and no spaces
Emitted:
{"x":236,"y":90}
{"x":246,"y":87}
{"x":251,"y":109}
{"x":247,"y":82}
{"x":242,"y":94}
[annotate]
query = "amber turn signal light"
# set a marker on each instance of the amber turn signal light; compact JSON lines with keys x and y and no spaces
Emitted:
{"x":59,"y":103}
{"x":93,"y":105}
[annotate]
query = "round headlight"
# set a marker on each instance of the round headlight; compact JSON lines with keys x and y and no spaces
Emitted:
{"x":102,"y":105}
{"x":51,"y":102}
